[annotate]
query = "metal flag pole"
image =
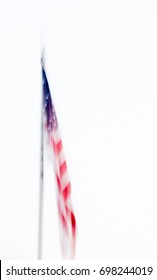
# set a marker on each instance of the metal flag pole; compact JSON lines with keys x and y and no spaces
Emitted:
{"x":41,"y":186}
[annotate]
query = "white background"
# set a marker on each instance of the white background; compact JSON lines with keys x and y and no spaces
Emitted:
{"x":101,"y":64}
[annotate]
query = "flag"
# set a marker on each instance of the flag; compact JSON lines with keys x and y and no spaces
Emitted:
{"x":66,"y":215}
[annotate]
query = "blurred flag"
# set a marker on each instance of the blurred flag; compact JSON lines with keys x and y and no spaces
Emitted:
{"x":67,"y":220}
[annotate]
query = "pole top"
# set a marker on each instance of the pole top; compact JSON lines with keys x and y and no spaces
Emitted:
{"x":43,"y":58}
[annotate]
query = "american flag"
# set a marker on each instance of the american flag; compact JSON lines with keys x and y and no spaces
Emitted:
{"x":66,"y":215}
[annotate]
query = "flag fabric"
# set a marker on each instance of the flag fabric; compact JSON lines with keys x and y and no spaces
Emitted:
{"x":67,"y":221}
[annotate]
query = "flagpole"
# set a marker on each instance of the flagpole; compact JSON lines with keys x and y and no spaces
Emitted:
{"x":41,"y":186}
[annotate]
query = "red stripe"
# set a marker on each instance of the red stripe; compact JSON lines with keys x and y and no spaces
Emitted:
{"x":73,"y":222}
{"x":66,"y":192}
{"x":71,"y":215}
{"x":59,"y":184}
{"x":58,"y":147}
{"x":63,"y":168}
